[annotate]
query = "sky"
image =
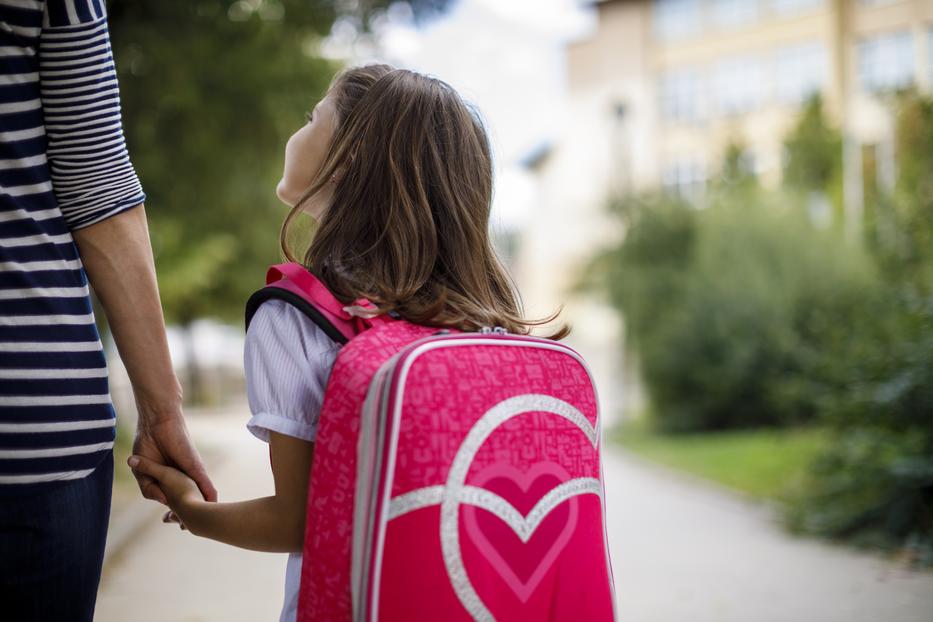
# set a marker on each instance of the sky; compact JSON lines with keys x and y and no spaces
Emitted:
{"x":505,"y":56}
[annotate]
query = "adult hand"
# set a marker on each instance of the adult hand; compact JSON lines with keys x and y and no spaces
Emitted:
{"x":166,"y":442}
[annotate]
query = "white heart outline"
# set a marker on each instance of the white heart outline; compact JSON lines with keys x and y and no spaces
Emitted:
{"x":523,"y":526}
{"x":502,"y":560}
{"x":455,"y":491}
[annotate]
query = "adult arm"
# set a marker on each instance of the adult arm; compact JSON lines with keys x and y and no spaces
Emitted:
{"x":118,"y":260}
{"x":100,"y":199}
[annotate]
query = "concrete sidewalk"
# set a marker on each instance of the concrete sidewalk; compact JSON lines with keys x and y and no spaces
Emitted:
{"x":682,"y":551}
{"x":167,"y":575}
{"x":687,"y":551}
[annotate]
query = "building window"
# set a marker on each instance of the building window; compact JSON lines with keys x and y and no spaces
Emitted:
{"x":675,"y":19}
{"x":800,"y":71}
{"x":681,"y":95}
{"x":734,"y":12}
{"x":684,"y":178}
{"x":886,"y":62}
{"x":790,"y":7}
{"x":738,"y":84}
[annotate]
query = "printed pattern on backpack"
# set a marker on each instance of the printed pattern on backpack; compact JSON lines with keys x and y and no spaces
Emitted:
{"x":490,"y":466}
{"x":325,"y":576}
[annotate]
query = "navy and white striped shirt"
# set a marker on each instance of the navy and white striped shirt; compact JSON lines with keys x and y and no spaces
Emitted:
{"x":63,"y":166}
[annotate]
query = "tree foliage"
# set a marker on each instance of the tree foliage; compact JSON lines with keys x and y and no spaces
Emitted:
{"x":908,"y":251}
{"x":874,"y":482}
{"x":210,"y":94}
{"x":812,"y":151}
{"x":726,"y":306}
{"x":211,"y":91}
{"x":745,"y":313}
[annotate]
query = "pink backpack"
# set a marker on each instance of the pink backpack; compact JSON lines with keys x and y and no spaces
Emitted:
{"x":456,"y":476}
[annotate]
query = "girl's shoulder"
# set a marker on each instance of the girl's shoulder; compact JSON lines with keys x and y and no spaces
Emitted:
{"x":287,"y":361}
{"x":281,"y":327}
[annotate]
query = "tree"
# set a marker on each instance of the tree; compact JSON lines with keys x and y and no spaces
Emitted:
{"x":813,"y":163}
{"x":813,"y":151}
{"x":211,"y":91}
{"x":873,"y":482}
{"x":910,"y":254}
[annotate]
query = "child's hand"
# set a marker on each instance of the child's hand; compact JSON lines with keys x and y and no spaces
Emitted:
{"x":180,"y":490}
{"x":172,"y":517}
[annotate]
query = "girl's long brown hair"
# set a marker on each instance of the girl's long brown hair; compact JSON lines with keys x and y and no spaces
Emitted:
{"x":408,"y":225}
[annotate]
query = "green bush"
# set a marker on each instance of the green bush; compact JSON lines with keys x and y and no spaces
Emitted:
{"x":873,"y":484}
{"x":725,"y":306}
{"x":744,"y":314}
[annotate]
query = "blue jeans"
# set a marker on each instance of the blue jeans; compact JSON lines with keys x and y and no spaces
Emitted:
{"x":52,"y":549}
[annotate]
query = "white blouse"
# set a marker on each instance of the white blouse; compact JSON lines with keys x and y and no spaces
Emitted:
{"x":287,"y":359}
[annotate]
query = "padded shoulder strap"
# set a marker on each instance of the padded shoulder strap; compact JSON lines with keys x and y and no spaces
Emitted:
{"x":294,"y":284}
{"x":315,"y":291}
{"x":278,"y":293}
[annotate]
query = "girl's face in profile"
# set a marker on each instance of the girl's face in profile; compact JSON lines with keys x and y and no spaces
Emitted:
{"x":304,"y":155}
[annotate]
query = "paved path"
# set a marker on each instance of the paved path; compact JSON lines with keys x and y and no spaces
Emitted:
{"x":687,"y":552}
{"x":682,"y":553}
{"x":168,"y":575}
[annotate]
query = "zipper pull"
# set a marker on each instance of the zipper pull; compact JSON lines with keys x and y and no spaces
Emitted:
{"x":498,"y":330}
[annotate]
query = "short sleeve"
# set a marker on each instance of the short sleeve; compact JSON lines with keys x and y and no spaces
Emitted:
{"x":287,"y":359}
{"x":91,"y":172}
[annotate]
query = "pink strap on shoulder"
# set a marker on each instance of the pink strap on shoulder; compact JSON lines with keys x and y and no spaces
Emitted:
{"x":322,"y":297}
{"x":310,"y":284}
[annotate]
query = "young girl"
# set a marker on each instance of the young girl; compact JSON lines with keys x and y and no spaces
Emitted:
{"x":396,"y":169}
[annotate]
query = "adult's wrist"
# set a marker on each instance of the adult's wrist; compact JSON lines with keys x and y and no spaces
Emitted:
{"x":160,"y":405}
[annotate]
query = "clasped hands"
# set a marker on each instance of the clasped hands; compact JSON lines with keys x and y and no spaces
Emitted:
{"x":168,"y":468}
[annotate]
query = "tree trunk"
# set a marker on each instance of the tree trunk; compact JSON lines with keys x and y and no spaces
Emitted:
{"x":194,"y":379}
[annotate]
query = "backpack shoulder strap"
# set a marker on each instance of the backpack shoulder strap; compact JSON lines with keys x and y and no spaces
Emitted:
{"x":295,"y":285}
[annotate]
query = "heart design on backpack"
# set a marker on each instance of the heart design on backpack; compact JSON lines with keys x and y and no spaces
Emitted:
{"x":522,"y":560}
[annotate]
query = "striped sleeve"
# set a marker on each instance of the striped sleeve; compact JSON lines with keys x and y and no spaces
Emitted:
{"x":92,"y":175}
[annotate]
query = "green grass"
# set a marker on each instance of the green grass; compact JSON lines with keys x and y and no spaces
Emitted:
{"x":766,"y":464}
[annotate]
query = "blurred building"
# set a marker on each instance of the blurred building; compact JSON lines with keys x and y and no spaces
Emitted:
{"x":659,"y":90}
{"x":675,"y":81}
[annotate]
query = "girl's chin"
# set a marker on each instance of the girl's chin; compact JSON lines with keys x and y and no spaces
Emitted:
{"x":286,"y":197}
